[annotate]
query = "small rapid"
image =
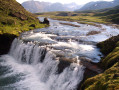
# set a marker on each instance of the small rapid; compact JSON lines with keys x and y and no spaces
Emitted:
{"x":49,"y":58}
{"x":30,"y":67}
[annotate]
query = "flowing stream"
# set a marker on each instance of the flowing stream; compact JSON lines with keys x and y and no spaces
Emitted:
{"x":49,"y":58}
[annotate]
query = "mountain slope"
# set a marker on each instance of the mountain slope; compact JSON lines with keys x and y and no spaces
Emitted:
{"x":57,"y":7}
{"x":99,"y":5}
{"x":111,"y":14}
{"x":36,"y":6}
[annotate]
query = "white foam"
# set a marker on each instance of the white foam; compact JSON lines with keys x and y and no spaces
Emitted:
{"x":37,"y":75}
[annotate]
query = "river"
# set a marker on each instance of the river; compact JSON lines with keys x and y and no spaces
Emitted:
{"x":49,"y":58}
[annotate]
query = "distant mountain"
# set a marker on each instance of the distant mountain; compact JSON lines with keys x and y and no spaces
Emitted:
{"x":56,"y":7}
{"x":73,"y":6}
{"x":99,"y":5}
{"x":36,"y":6}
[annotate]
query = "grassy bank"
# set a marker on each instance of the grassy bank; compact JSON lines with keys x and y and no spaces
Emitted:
{"x":109,"y":80}
{"x":14,"y":19}
{"x":83,"y":18}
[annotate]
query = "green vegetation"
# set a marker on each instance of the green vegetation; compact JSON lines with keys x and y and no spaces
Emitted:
{"x":110,"y":48}
{"x":111,"y":15}
{"x":83,"y":18}
{"x":105,"y":16}
{"x":108,"y":45}
{"x":14,"y":19}
{"x":109,"y":80}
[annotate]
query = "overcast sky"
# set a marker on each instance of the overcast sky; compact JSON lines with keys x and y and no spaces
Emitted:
{"x":66,"y":1}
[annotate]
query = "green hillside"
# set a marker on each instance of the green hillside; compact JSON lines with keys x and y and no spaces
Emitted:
{"x":15,"y":19}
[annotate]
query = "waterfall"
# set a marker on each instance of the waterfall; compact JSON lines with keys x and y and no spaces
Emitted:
{"x":42,"y":68}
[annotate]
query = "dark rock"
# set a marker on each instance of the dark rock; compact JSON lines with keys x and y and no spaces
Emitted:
{"x":32,"y":25}
{"x":46,"y":21}
{"x":70,"y":24}
{"x":91,"y":70}
{"x":87,"y":74}
{"x":62,"y":65}
{"x":90,"y":65}
{"x":43,"y":53}
{"x":5,"y":42}
{"x":19,"y":15}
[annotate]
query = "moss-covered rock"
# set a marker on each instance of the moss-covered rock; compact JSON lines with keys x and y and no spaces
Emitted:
{"x":108,"y":45}
{"x":110,"y":48}
{"x":111,"y":58}
{"x":109,"y":80}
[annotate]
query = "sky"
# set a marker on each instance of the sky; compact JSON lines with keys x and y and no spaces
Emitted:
{"x":65,"y":1}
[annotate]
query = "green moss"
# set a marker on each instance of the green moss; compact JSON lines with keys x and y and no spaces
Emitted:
{"x":108,"y":45}
{"x":110,"y":48}
{"x":109,"y":80}
{"x":111,"y":58}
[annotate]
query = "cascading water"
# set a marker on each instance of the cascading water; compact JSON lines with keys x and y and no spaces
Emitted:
{"x":48,"y":59}
{"x":37,"y":69}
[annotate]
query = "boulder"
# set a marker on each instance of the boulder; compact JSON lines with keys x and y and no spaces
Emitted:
{"x":46,"y":21}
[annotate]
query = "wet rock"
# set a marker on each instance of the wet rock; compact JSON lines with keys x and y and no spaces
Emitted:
{"x":91,"y":66}
{"x":93,"y":32}
{"x":87,"y":74}
{"x":62,"y":65}
{"x":91,"y":70}
{"x":70,"y":24}
{"x":43,"y":53}
{"x":46,"y":21}
{"x":5,"y":42}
